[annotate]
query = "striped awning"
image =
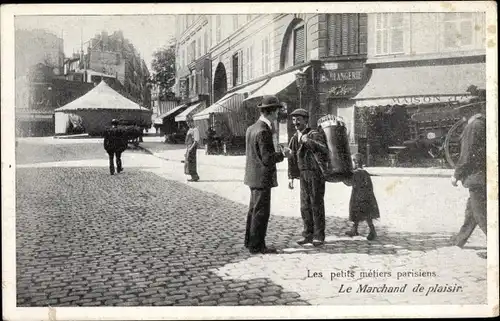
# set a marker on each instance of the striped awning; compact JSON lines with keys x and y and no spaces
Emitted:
{"x":275,"y":85}
{"x":229,"y":102}
{"x":171,"y":112}
{"x":188,"y":112}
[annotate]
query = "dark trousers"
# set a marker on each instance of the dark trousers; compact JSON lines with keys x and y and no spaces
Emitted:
{"x":312,"y":204}
{"x":118,"y":161}
{"x":257,"y":219}
{"x":475,"y":214}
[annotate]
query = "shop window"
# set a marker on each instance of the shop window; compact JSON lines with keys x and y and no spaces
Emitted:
{"x":298,"y":45}
{"x":237,"y":68}
{"x":389,"y":33}
{"x":346,"y":34}
{"x":458,"y":30}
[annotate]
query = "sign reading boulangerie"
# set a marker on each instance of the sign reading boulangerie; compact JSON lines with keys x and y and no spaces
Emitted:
{"x":379,"y":217}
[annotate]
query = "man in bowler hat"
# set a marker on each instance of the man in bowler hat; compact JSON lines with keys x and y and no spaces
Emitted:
{"x":302,"y":164}
{"x":260,"y":174}
{"x":115,"y":143}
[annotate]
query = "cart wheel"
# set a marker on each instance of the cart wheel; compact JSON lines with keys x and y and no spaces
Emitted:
{"x":452,"y":142}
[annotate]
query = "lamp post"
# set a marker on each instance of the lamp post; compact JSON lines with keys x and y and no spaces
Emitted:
{"x":300,"y":80}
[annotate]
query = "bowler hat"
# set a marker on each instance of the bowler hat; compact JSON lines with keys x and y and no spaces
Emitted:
{"x":269,"y":101}
{"x":300,"y":112}
{"x":114,"y":121}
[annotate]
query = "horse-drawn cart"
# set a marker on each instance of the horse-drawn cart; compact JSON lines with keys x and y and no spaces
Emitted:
{"x":439,"y":132}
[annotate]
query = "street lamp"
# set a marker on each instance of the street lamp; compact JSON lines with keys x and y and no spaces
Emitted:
{"x":300,"y":80}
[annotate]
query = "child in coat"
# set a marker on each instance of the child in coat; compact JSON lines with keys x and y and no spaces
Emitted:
{"x":363,"y":204}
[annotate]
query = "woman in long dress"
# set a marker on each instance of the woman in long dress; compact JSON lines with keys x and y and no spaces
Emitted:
{"x":192,"y":142}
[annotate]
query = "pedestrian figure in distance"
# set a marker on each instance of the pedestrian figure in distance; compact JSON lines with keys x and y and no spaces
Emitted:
{"x":302,"y":164}
{"x":192,"y":142}
{"x":115,"y":143}
{"x":363,"y":204}
{"x":471,"y":171}
{"x":260,"y":174}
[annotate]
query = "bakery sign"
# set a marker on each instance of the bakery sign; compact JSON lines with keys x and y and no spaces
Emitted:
{"x":341,"y":76}
{"x":338,"y":83}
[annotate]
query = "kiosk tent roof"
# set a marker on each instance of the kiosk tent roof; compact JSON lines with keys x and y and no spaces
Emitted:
{"x":101,"y":97}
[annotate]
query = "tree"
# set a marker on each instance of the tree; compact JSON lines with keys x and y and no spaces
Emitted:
{"x":163,"y":66}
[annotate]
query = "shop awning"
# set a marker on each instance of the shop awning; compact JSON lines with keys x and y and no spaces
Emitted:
{"x":275,"y":85}
{"x":171,"y":112}
{"x":421,"y":85}
{"x":188,"y":112}
{"x":229,"y":102}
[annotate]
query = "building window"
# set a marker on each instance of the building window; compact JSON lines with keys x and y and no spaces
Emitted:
{"x":249,"y":64}
{"x":266,"y":53}
{"x":389,"y":33}
{"x":346,"y":34}
{"x":298,"y":45}
{"x":458,"y":30}
{"x":237,"y":68}
{"x":218,"y":29}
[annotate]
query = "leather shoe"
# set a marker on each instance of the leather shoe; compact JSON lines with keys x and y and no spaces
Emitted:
{"x":371,"y":236}
{"x":304,"y":241}
{"x":318,"y":242}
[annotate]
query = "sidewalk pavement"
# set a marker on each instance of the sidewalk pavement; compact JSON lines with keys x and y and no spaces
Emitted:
{"x":156,"y":147}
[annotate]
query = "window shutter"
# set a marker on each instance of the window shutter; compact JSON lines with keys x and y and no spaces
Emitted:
{"x":332,"y":27}
{"x":353,"y":35}
{"x":240,"y":63}
{"x":299,"y":46}
{"x":397,"y":35}
{"x":363,"y":33}
{"x":345,"y":31}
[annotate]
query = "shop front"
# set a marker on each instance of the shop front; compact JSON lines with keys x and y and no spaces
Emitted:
{"x":338,"y":84}
{"x":403,"y":114}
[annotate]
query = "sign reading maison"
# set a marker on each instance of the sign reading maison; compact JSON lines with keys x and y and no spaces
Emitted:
{"x":418,"y":100}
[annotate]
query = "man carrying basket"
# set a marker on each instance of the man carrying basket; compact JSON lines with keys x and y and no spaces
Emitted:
{"x":302,"y":164}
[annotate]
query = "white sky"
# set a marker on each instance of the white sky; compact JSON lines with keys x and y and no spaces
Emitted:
{"x":146,"y":32}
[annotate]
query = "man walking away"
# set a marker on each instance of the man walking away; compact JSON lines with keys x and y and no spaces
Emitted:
{"x":302,"y":164}
{"x":115,"y":143}
{"x":471,"y":170}
{"x":260,"y":174}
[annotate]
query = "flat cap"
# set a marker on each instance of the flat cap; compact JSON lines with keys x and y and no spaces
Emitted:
{"x":300,"y":112}
{"x":269,"y":101}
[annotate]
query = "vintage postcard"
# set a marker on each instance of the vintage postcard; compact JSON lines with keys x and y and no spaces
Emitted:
{"x":249,"y":160}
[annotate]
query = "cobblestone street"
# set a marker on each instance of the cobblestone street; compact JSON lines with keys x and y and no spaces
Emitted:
{"x":145,"y":237}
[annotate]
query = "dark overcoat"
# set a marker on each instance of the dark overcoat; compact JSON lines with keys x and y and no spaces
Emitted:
{"x":471,"y":166}
{"x":261,"y":157}
{"x":115,"y":140}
